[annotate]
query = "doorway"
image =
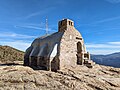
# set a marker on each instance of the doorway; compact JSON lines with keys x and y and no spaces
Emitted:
{"x":79,"y":53}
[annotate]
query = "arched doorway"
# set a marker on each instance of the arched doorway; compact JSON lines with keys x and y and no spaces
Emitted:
{"x":79,"y":47}
{"x":79,"y":53}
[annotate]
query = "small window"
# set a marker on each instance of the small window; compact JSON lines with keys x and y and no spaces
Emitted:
{"x":79,"y":38}
{"x":70,"y":36}
{"x":69,"y":22}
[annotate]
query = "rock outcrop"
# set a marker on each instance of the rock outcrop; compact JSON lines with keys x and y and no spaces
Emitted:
{"x":79,"y":78}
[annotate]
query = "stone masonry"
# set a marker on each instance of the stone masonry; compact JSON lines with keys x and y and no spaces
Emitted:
{"x":60,"y":50}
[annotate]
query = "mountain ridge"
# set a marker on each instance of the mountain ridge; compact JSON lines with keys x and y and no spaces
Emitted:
{"x":107,"y":60}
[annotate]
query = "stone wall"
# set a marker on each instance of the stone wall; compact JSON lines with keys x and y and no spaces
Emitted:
{"x":68,"y":47}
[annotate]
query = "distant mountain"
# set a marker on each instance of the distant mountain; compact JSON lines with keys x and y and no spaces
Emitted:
{"x":9,"y":54}
{"x":108,"y":60}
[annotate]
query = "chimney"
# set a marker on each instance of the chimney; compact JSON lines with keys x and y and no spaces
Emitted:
{"x":65,"y":24}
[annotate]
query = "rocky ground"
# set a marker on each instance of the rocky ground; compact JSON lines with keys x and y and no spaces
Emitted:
{"x":79,"y":78}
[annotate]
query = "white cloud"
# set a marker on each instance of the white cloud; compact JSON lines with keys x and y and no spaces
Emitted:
{"x":29,"y":26}
{"x":15,"y":40}
{"x":33,"y":27}
{"x":104,"y":20}
{"x":114,"y":43}
{"x":113,"y":1}
{"x":102,"y":46}
{"x":19,"y":44}
{"x":15,"y":35}
{"x":107,"y":19}
{"x":32,"y":15}
{"x":102,"y":52}
{"x":105,"y":48}
{"x":40,"y":12}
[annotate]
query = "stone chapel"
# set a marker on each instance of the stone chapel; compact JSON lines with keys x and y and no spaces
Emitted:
{"x":59,"y":50}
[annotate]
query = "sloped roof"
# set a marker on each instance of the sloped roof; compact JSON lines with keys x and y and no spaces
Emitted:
{"x":43,"y":46}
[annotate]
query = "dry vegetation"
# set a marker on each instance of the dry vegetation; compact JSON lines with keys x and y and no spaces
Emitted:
{"x":9,"y":55}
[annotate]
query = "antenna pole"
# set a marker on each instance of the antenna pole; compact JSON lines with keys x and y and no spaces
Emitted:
{"x":46,"y":26}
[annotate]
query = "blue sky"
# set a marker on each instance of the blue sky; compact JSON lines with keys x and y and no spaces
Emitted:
{"x":21,"y":21}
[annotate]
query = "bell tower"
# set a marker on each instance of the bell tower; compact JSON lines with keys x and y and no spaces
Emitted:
{"x":65,"y":24}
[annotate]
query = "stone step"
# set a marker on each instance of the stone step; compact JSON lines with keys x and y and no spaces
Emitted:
{"x":89,"y":63}
{"x":89,"y":66}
